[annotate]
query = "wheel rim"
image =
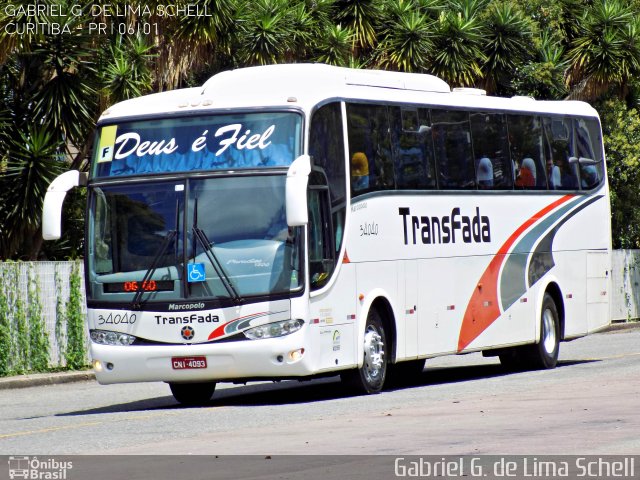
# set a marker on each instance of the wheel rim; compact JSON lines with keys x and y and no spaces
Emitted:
{"x":373,"y":367}
{"x":549,"y":340}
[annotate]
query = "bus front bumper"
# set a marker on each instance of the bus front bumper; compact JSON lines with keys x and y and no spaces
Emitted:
{"x":266,"y":358}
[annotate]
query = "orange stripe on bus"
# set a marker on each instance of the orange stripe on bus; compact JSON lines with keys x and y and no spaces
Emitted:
{"x":478,"y":317}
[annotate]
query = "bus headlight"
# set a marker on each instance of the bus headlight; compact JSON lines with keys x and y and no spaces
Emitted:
{"x":276,"y":329}
{"x":105,"y":337}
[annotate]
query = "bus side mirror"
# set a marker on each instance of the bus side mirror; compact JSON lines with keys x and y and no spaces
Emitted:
{"x":52,"y":208}
{"x":296,"y":191}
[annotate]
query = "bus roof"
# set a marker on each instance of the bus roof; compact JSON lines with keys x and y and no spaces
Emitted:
{"x":306,"y":85}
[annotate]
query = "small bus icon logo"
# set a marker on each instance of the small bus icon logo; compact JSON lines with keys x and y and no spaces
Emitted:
{"x":18,"y":467}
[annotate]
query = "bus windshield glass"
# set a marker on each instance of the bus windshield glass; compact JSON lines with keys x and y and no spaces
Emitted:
{"x":197,"y":238}
{"x":196,"y":143}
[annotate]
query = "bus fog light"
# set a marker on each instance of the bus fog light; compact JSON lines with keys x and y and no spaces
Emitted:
{"x":296,"y":354}
{"x":104,"y":337}
{"x":272,"y":330}
{"x":97,"y":365}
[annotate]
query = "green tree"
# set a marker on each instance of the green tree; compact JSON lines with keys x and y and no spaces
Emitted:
{"x":507,"y":45}
{"x":364,"y":18}
{"x":621,"y":135}
{"x":605,"y":52}
{"x":543,"y":77}
{"x":32,"y":163}
{"x":458,"y":54}
{"x":49,"y":100}
{"x":265,"y":32}
{"x":406,"y":41}
{"x":334,"y":48}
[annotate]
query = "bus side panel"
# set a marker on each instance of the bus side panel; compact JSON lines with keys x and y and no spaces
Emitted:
{"x":380,"y":279}
{"x":408,"y":283}
{"x":514,"y":326}
{"x":333,"y":325}
{"x":438,"y":320}
{"x":598,"y":292}
{"x":571,"y":268}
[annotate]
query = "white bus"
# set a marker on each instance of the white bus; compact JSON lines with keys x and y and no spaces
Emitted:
{"x":291,"y":221}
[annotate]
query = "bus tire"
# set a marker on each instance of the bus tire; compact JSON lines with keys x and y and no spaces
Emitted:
{"x":192,"y":393}
{"x":512,"y":360}
{"x":544,"y":354}
{"x":371,"y":376}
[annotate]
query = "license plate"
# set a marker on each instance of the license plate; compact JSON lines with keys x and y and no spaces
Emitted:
{"x":183,"y":363}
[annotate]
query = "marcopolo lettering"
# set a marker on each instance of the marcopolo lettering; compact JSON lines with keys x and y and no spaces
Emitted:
{"x":193,"y":318}
{"x":186,"y":306}
{"x":446,"y":229}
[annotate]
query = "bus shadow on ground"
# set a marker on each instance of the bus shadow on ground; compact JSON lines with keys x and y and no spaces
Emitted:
{"x":291,"y":392}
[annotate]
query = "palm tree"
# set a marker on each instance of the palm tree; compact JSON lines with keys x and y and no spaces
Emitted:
{"x":364,"y":18}
{"x":543,"y":77}
{"x":406,"y":41}
{"x":197,"y":42}
{"x":507,"y":44}
{"x":604,"y":53}
{"x":128,"y":71}
{"x":34,"y":161}
{"x":458,"y":54}
{"x":265,"y":34}
{"x":334,"y":47}
{"x":50,"y":101}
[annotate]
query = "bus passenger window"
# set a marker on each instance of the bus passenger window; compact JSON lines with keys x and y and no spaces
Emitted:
{"x":587,"y":141}
{"x":368,"y":129}
{"x":452,"y":145}
{"x":491,"y":150}
{"x":527,"y":152}
{"x":412,"y":148}
{"x":560,"y":150}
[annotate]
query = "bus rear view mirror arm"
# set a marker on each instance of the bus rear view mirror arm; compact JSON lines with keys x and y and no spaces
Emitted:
{"x":52,"y":208}
{"x":296,"y":191}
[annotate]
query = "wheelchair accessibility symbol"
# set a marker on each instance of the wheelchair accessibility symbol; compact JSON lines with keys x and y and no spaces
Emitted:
{"x":195,"y":272}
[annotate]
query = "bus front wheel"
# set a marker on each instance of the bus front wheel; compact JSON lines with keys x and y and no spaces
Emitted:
{"x":192,"y":394}
{"x":371,"y":376}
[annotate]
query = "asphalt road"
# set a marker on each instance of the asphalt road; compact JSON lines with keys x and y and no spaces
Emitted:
{"x":463,"y":405}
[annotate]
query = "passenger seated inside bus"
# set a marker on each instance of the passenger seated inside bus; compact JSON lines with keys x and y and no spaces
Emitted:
{"x":553,"y":175}
{"x":359,"y":172}
{"x":527,"y":173}
{"x":484,"y":173}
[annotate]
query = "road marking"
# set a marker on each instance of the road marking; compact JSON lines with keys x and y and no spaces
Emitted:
{"x":613,"y":357}
{"x":86,"y":424}
{"x":47,"y":430}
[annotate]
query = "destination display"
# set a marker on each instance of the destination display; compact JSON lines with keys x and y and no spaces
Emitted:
{"x":215,"y":142}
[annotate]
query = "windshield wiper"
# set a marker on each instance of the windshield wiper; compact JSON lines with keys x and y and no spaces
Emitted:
{"x":207,"y":246}
{"x":135,"y":303}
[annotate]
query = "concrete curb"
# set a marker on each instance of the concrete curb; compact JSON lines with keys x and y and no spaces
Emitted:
{"x":614,"y":327}
{"x":39,"y":379}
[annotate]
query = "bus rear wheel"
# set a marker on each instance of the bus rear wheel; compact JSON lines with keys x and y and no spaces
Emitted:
{"x":192,"y":394}
{"x":544,"y":354}
{"x":371,"y":376}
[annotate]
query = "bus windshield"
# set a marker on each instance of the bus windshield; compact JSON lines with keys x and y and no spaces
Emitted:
{"x":196,"y":143}
{"x":196,"y":238}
